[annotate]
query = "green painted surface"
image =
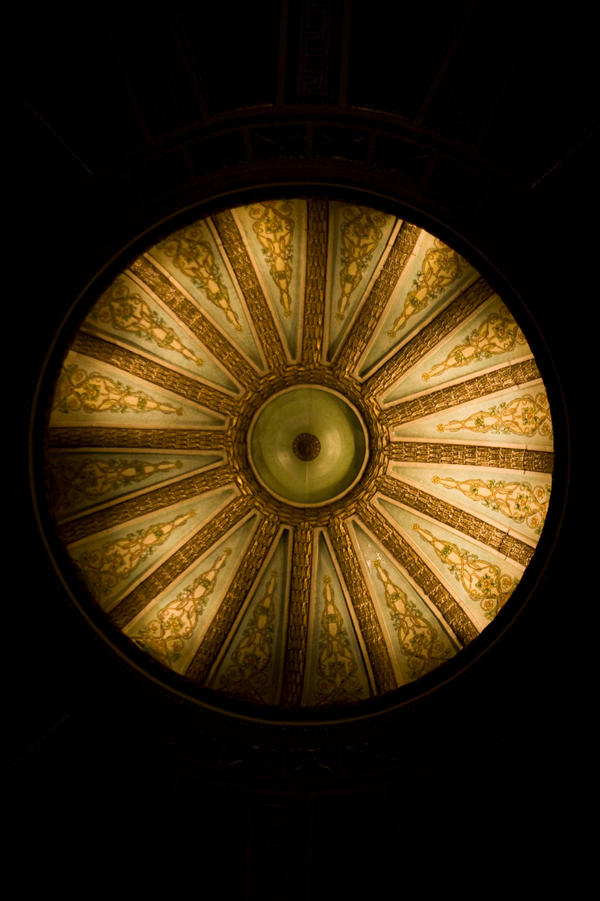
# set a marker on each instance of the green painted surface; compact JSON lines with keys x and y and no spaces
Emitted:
{"x":327,"y":417}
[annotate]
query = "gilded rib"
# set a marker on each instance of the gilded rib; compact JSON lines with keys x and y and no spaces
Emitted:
{"x":471,"y":455}
{"x":188,"y":313}
{"x":153,"y":499}
{"x":429,"y":337}
{"x":200,"y":543}
{"x":223,"y":621}
{"x":316,"y":276}
{"x":253,"y":293}
{"x":362,"y":603}
{"x":510,"y":376}
{"x":447,"y":605}
{"x":151,"y":439}
{"x":299,"y":601}
{"x":452,"y":516}
{"x":370,"y":315}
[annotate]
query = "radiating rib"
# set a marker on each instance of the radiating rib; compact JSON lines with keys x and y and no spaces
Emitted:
{"x":151,"y":439}
{"x":253,"y":293}
{"x":156,"y":373}
{"x":188,"y":313}
{"x":370,"y":315}
{"x":471,"y":455}
{"x":429,"y":337}
{"x":316,"y":277}
{"x":452,"y":516}
{"x":511,"y":376}
{"x":402,"y":552}
{"x":154,"y":499}
{"x":224,"y":618}
{"x":178,"y":562}
{"x":299,"y":602}
{"x":362,"y":603}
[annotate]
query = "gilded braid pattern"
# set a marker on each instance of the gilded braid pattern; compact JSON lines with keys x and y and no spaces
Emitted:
{"x":223,"y":621}
{"x":362,"y":603}
{"x":425,"y":578}
{"x":187,"y":311}
{"x":525,"y":416}
{"x":151,"y":439}
{"x":454,"y":395}
{"x":152,"y":500}
{"x":130,"y":362}
{"x":251,"y":289}
{"x":177,"y":563}
{"x":497,"y":334}
{"x":429,"y":337}
{"x":299,"y":600}
{"x":519,"y":501}
{"x":126,"y":311}
{"x":316,"y":271}
{"x":446,"y":513}
{"x":370,"y":315}
{"x":471,"y":455}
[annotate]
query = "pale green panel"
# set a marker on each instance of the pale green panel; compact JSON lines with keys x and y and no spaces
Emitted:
{"x":90,"y":392}
{"x":518,"y":417}
{"x":112,"y":563}
{"x":252,"y":666}
{"x":192,"y":256}
{"x":490,"y":337}
{"x":172,"y":628}
{"x":433,"y":276}
{"x":358,"y":238}
{"x":275,"y":233}
{"x":79,"y":481}
{"x":132,"y":316}
{"x":479,"y":579}
{"x":335,"y":671}
{"x":419,"y":639}
{"x":514,"y":500}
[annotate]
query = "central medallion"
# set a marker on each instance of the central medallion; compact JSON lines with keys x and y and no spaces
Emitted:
{"x":308,"y":445}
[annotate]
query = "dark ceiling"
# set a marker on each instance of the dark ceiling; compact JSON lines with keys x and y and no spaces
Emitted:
{"x":479,"y":116}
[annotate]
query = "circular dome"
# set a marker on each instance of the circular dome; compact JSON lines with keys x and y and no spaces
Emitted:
{"x":307,"y":446}
{"x":298,"y":456}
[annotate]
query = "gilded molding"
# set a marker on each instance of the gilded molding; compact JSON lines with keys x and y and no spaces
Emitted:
{"x":362,"y":603}
{"x":429,"y":337}
{"x":151,"y":439}
{"x":449,"y":608}
{"x":152,"y":500}
{"x":223,"y":620}
{"x":258,"y":307}
{"x":316,"y":276}
{"x":299,"y":601}
{"x":505,"y":377}
{"x":155,"y":373}
{"x":370,"y":315}
{"x":455,"y":518}
{"x":192,"y":317}
{"x":471,"y":455}
{"x":199,"y":544}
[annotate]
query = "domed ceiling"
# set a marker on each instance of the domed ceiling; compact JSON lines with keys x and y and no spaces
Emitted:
{"x":299,"y":453}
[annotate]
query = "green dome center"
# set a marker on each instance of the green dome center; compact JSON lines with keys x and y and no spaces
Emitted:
{"x":308,"y":446}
